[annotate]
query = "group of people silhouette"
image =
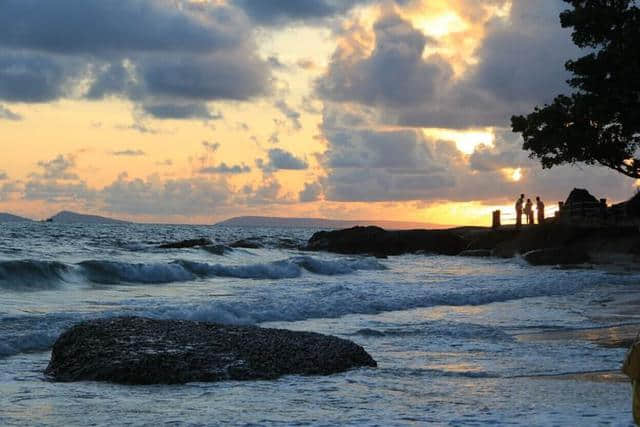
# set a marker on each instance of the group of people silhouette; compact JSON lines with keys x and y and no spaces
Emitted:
{"x":527,"y":209}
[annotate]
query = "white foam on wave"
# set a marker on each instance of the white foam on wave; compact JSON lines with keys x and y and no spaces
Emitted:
{"x":356,"y":297}
{"x":273,"y":270}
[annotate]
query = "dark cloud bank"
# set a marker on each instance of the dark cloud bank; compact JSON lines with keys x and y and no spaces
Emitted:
{"x":170,"y":57}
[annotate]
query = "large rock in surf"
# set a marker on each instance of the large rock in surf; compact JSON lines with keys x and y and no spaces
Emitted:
{"x":191,"y":243}
{"x":377,"y":241}
{"x":136,"y":350}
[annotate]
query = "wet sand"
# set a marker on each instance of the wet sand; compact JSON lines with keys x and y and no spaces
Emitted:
{"x":622,"y":308}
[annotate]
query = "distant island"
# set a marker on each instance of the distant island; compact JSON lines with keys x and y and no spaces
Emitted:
{"x":68,"y":217}
{"x":7,"y":217}
{"x":283,"y":222}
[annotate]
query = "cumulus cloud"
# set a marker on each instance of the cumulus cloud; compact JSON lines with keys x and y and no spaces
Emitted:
{"x":394,"y":73}
{"x":57,"y":168}
{"x":9,"y":190}
{"x":311,"y":192}
{"x":59,"y":192}
{"x":267,"y":193}
{"x":223,"y":168}
{"x":280,"y":159}
{"x":211,"y":146}
{"x":129,"y":153}
{"x":153,"y":196}
{"x":228,"y":75}
{"x":377,"y":100}
{"x":366,"y":164}
{"x":520,"y":63}
{"x":290,"y":113}
{"x":7,"y":114}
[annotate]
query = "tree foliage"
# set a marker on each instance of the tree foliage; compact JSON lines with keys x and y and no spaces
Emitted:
{"x":599,"y":123}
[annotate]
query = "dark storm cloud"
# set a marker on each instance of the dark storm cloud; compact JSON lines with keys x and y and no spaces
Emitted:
{"x":523,"y":61}
{"x":280,"y":159}
{"x":274,"y":12}
{"x":223,"y":168}
{"x":169,"y":56}
{"x":311,"y":192}
{"x":32,"y":77}
{"x":113,"y":79}
{"x":181,"y":111}
{"x":98,"y":26}
{"x":229,"y":75}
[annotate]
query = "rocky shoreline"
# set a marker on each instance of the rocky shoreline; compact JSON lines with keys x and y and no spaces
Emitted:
{"x":548,"y":244}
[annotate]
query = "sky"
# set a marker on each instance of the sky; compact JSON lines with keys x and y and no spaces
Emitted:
{"x":194,"y":111}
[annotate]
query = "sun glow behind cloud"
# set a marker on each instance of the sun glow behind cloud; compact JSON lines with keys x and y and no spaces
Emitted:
{"x":441,"y":24}
{"x":466,"y":140}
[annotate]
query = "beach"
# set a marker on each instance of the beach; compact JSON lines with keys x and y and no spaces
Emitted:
{"x":457,"y":340}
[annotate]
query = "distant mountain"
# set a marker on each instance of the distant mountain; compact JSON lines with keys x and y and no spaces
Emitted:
{"x":7,"y":217}
{"x":279,"y":222}
{"x":66,"y":217}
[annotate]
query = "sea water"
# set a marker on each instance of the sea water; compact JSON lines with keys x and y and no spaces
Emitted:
{"x":445,"y":331}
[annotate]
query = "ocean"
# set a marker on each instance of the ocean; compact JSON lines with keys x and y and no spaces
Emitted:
{"x":447,"y":332}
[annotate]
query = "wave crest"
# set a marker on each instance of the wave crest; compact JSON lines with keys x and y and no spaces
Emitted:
{"x":39,"y":275}
{"x":31,"y":274}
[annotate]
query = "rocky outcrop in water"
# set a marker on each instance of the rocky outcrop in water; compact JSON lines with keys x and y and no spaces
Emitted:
{"x":183,"y":244}
{"x":556,"y":256}
{"x":549,"y":244}
{"x":379,"y":242}
{"x":246,"y":244}
{"x":135,"y":350}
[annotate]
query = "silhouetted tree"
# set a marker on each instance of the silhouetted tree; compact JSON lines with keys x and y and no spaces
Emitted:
{"x":600,"y":122}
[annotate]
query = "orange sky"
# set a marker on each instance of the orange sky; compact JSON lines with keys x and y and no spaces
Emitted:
{"x":280,"y":152}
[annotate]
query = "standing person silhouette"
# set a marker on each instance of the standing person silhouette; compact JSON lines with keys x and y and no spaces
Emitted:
{"x":519,"y":204}
{"x":540,"y":209}
{"x":528,"y":211}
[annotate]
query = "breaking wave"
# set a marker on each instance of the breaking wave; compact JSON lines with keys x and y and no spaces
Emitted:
{"x":31,"y":274}
{"x":39,"y":275}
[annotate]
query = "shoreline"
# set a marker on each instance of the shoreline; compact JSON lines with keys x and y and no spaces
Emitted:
{"x":547,"y":244}
{"x":622,"y":308}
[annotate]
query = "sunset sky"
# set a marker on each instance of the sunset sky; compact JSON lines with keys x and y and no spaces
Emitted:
{"x":196,"y":111}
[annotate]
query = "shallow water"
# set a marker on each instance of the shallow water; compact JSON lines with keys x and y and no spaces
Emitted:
{"x":443,"y":330}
